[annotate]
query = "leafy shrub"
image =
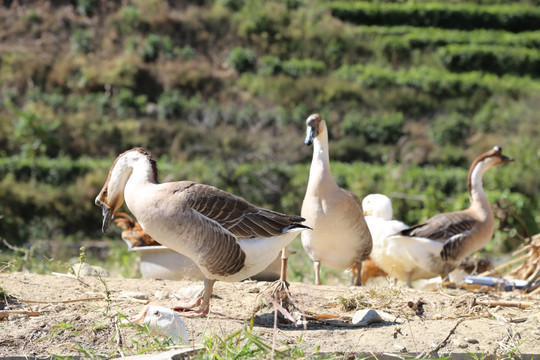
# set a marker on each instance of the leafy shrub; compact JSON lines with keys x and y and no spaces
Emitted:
{"x":242,"y":59}
{"x":514,"y":17}
{"x":303,"y":67}
{"x":451,"y":129}
{"x":269,"y":65}
{"x":87,"y":7}
{"x":234,"y":5}
{"x":125,"y":103}
{"x":170,"y":105}
{"x":37,"y":137}
{"x":396,"y":49}
{"x":436,"y":82}
{"x":129,"y":20}
{"x":155,"y":45}
{"x":385,"y":128}
{"x":260,"y":23}
{"x":496,"y":59}
{"x":81,"y":41}
{"x":187,"y":52}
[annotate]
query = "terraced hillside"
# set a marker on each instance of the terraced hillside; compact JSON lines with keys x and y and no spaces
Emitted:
{"x":219,"y":90}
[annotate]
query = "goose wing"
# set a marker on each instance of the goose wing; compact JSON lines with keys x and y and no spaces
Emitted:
{"x":236,"y":214}
{"x":442,"y":227}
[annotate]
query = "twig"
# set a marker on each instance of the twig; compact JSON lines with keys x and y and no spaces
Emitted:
{"x":511,"y":262}
{"x":13,"y":247}
{"x":522,"y":250}
{"x":6,"y":313}
{"x":99,"y":297}
{"x":493,"y":303}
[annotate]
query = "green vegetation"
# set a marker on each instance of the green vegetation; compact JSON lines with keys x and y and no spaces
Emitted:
{"x":511,"y":17}
{"x":219,"y":91}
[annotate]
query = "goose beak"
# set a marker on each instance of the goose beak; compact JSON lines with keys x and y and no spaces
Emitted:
{"x":107,"y":215}
{"x":311,"y":133}
{"x":506,"y":159}
{"x":139,"y":318}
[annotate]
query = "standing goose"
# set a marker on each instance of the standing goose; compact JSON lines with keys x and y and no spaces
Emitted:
{"x":340,"y":238}
{"x":227,"y":237}
{"x":443,"y":241}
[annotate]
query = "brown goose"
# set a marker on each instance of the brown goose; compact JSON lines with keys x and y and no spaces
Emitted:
{"x":227,"y":237}
{"x":439,"y":244}
{"x":340,"y":238}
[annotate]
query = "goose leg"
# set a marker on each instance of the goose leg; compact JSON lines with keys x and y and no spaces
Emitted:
{"x":202,"y":299}
{"x":409,"y":280}
{"x":358,"y":274}
{"x":284,"y":260}
{"x":317,"y":267}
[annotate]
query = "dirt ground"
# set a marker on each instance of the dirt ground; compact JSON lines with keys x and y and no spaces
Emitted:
{"x":453,"y":321}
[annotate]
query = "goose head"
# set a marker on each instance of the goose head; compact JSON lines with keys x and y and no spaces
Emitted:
{"x":484,"y":162}
{"x":378,"y":205}
{"x":111,"y":196}
{"x":315,"y":126}
{"x":494,"y":157}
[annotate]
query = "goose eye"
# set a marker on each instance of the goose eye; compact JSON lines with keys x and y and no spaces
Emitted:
{"x":156,"y":313}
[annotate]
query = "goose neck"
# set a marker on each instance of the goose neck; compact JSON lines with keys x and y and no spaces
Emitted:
{"x":477,"y":195}
{"x":320,"y":165}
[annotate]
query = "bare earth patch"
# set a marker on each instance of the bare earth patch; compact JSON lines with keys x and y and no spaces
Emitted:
{"x":450,"y":321}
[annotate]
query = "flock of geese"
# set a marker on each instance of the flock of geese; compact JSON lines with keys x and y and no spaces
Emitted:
{"x":230,"y":239}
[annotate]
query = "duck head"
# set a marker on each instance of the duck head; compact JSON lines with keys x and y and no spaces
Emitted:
{"x":315,"y":126}
{"x":378,"y":205}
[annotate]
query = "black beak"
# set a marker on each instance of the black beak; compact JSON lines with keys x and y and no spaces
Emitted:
{"x":311,"y":133}
{"x":107,"y":215}
{"x":506,"y":158}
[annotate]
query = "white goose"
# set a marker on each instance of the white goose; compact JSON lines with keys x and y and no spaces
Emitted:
{"x":227,"y":237}
{"x":438,"y":245}
{"x":340,"y":238}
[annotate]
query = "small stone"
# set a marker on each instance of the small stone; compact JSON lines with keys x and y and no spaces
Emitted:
{"x":162,"y":295}
{"x":401,"y":348}
{"x":254,"y":290}
{"x":471,"y":340}
{"x":366,"y":317}
{"x":462,"y":345}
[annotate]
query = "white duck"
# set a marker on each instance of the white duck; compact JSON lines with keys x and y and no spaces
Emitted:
{"x":396,"y":256}
{"x":340,"y":238}
{"x":438,"y":245}
{"x":227,"y":237}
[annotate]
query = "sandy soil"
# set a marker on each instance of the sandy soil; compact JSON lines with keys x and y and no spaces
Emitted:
{"x":453,"y":321}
